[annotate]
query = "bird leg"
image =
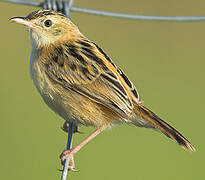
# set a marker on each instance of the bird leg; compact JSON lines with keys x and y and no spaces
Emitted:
{"x":71,"y":152}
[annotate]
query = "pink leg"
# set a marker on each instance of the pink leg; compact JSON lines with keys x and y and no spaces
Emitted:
{"x":70,"y":153}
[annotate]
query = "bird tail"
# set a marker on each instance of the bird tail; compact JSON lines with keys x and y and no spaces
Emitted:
{"x":147,"y":118}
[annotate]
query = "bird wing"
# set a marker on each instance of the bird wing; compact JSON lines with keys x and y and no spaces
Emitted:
{"x":83,"y":67}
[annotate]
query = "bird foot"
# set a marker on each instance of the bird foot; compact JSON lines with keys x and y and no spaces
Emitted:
{"x":64,"y":155}
{"x":65,"y":127}
{"x":75,"y":130}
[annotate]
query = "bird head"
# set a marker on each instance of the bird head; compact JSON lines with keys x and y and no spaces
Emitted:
{"x":47,"y":27}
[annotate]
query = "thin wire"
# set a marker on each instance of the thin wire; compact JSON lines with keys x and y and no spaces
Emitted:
{"x":114,"y":14}
{"x":139,"y":17}
{"x":69,"y":144}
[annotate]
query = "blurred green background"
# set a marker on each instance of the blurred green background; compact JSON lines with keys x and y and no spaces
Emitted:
{"x":166,"y":62}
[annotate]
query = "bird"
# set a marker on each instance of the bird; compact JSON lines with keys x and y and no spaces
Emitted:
{"x":80,"y":82}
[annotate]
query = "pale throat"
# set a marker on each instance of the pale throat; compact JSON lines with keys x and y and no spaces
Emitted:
{"x":40,"y":39}
{"x":35,"y":46}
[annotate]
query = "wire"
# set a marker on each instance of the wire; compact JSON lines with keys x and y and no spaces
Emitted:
{"x":139,"y":17}
{"x":68,"y":7}
{"x":69,"y":144}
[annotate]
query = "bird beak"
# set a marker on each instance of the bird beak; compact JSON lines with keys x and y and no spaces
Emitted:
{"x":24,"y":21}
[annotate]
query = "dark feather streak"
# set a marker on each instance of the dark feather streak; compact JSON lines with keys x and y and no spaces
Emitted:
{"x":72,"y":50}
{"x":112,"y":75}
{"x":85,"y":72}
{"x":135,"y":93}
{"x":95,"y":70}
{"x":41,"y":13}
{"x":83,"y":43}
{"x":87,"y":52}
{"x":57,"y":57}
{"x":126,"y":79}
{"x":115,"y":83}
{"x":102,"y":52}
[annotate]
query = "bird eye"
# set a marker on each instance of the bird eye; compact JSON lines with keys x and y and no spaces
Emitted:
{"x":48,"y":23}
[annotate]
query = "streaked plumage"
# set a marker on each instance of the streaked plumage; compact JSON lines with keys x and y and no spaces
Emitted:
{"x":78,"y":80}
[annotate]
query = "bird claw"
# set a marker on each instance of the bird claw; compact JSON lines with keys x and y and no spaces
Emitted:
{"x":65,"y":128}
{"x":64,"y":155}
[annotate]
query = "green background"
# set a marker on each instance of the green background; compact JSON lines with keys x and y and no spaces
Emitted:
{"x":166,"y":62}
